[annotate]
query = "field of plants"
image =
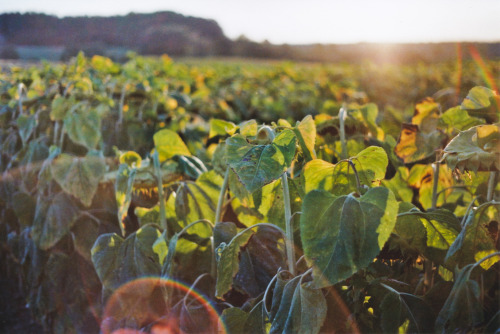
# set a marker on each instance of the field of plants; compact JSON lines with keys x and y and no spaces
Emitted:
{"x":252,"y":197}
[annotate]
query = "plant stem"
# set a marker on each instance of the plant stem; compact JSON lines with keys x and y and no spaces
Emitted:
{"x":435,"y":181}
{"x":288,"y":223}
{"x":161,"y":198}
{"x":20,"y":89}
{"x":342,"y":114}
{"x":358,"y":183}
{"x":491,"y":186}
{"x":220,"y":203}
{"x":120,"y":108}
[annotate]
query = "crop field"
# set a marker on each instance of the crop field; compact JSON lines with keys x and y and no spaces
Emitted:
{"x":228,"y":196}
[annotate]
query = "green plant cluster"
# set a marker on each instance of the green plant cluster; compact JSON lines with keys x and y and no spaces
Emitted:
{"x":269,"y":198}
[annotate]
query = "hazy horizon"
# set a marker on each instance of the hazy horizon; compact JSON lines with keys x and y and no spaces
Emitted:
{"x":297,"y":22}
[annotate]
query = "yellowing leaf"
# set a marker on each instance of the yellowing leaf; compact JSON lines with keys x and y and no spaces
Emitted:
{"x":169,"y":143}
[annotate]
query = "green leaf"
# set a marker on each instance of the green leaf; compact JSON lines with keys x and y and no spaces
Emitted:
{"x":53,"y":220}
{"x":477,"y":149}
{"x":478,"y":98}
{"x":118,"y":261}
{"x":190,"y":166}
{"x":459,"y":119}
{"x":442,"y":227}
{"x":371,"y":164}
{"x":238,"y":321}
{"x":84,"y":127}
{"x":219,"y":127}
{"x":24,"y":207}
{"x":411,"y":231}
{"x":26,"y":126}
{"x":258,"y":165}
{"x":85,"y":232}
{"x":78,"y":176}
{"x":286,"y":142}
{"x":224,"y":232}
{"x":474,"y":241}
{"x":168,"y":262}
{"x":248,"y":128}
{"x":397,"y":307}
{"x":462,"y":310}
{"x":198,"y":200}
{"x":305,"y":131}
{"x":228,"y":263}
{"x":59,"y":107}
{"x":341,"y":235}
{"x":281,"y":281}
{"x":367,"y":115}
{"x":302,"y":309}
{"x":169,"y":143}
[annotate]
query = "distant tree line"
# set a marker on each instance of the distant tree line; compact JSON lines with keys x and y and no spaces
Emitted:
{"x":179,"y":35}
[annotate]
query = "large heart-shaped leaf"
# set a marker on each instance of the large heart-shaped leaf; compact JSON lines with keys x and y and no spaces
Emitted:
{"x":78,"y":176}
{"x":258,"y":165}
{"x":84,"y":127}
{"x":341,"y":235}
{"x":197,"y":200}
{"x":117,"y":260}
{"x":477,"y":149}
{"x":53,"y":219}
{"x":370,"y":164}
{"x":397,"y":307}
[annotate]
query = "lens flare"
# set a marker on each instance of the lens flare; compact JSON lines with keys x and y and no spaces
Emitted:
{"x":159,"y":306}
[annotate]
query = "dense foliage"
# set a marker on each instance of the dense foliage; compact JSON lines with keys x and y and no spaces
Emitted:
{"x":257,"y":198}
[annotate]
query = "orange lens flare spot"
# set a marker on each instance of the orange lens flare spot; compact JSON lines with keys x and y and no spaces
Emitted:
{"x":159,"y":306}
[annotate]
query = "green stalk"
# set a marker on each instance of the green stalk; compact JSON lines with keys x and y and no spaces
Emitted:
{"x":435,"y":181}
{"x":20,"y":89}
{"x":491,"y":186}
{"x":120,"y":108}
{"x":161,"y":198}
{"x":358,"y":183}
{"x":342,"y":114}
{"x":288,"y":223}
{"x":220,"y":203}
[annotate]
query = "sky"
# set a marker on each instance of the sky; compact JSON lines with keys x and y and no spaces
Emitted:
{"x":310,"y":21}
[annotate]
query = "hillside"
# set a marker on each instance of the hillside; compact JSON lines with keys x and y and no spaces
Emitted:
{"x":162,"y":32}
